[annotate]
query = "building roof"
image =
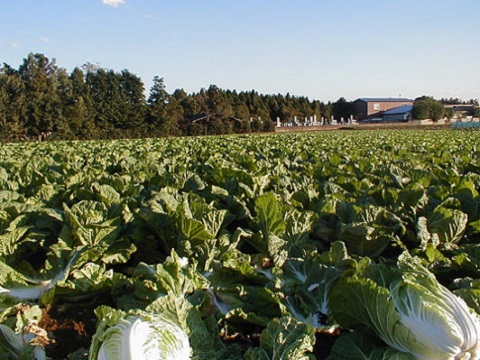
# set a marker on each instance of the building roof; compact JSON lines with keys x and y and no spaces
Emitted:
{"x":399,"y":110}
{"x":386,"y":99}
{"x":460,"y":106}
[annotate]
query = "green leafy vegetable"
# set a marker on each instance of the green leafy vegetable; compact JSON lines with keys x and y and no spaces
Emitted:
{"x":409,"y":310}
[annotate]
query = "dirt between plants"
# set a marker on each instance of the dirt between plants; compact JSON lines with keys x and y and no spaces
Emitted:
{"x":70,"y":327}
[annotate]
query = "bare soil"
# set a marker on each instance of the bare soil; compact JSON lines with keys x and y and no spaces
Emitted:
{"x":70,"y":326}
{"x":394,"y":126}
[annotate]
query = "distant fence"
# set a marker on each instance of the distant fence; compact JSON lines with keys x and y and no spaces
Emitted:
{"x":465,"y":125}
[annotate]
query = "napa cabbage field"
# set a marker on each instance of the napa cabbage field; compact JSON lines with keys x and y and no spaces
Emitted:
{"x":331,"y":245}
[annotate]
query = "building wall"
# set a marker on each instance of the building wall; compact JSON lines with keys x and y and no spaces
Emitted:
{"x":359,"y":109}
{"x":373,"y":108}
{"x":365,"y":110}
{"x":461,"y":110}
{"x":398,"y":117}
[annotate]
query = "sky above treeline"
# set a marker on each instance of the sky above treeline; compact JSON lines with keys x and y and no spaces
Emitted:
{"x":323,"y":49}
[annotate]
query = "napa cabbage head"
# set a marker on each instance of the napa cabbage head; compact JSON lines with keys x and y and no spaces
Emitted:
{"x":139,"y":337}
{"x":438,"y":319}
{"x":409,"y":310}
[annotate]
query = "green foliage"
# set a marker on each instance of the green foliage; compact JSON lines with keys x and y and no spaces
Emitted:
{"x":408,"y":309}
{"x":355,"y":246}
{"x":428,"y":108}
{"x":342,"y":109}
{"x":360,"y":345}
{"x":42,"y":101}
{"x":284,"y":339}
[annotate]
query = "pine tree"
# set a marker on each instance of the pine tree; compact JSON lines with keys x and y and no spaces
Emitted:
{"x":131,"y":103}
{"x":12,"y":103}
{"x":157,"y":107}
{"x":43,"y":104}
{"x":77,"y":106}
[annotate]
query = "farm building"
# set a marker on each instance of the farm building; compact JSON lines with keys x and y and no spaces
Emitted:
{"x":370,"y":108}
{"x":461,"y":110}
{"x":400,"y":113}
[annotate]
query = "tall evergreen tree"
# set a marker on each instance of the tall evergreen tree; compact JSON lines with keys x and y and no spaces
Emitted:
{"x":218,"y":102}
{"x":188,"y":103}
{"x":240,"y":110}
{"x":132,"y":103}
{"x":316,"y":109}
{"x":342,"y":109}
{"x":111,"y":101}
{"x":63,"y":129}
{"x":157,"y":106}
{"x":78,"y":107}
{"x":12,"y":103}
{"x":175,"y":115}
{"x":97,"y":85}
{"x":43,"y":104}
{"x":327,"y":110}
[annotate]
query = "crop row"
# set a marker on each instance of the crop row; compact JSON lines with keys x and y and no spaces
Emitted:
{"x":254,"y":245}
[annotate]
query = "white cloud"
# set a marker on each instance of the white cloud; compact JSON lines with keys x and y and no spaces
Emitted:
{"x":113,"y":3}
{"x":12,"y":44}
{"x":44,"y":39}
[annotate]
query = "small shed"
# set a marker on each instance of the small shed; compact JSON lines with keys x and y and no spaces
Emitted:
{"x":400,"y":113}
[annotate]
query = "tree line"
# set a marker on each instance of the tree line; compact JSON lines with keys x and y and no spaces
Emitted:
{"x":40,"y":99}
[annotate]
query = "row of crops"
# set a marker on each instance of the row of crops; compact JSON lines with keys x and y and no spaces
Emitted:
{"x":346,"y":245}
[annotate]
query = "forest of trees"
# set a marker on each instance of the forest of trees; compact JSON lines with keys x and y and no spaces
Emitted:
{"x":41,"y":99}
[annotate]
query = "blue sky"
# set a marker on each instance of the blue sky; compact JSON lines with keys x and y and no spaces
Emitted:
{"x":323,"y":49}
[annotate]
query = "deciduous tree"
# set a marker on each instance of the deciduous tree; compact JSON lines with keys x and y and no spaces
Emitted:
{"x":426,"y":107}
